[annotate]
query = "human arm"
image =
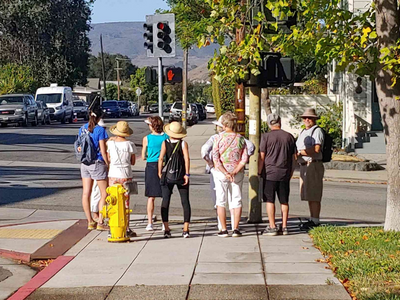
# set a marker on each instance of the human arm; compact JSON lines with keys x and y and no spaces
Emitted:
{"x":144,"y":148}
{"x":217,"y":158}
{"x":243,"y":161}
{"x":133,"y":159}
{"x":206,"y":149}
{"x":103,"y":151}
{"x":311,"y":151}
{"x":313,"y":146}
{"x":187,"y":162}
{"x":261,"y":158}
{"x":161,"y":159}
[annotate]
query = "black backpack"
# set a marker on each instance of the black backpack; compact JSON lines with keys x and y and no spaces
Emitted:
{"x":327,"y":148}
{"x":174,"y":171}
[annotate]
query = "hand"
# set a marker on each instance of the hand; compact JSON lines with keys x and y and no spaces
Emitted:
{"x":159,"y":175}
{"x":79,"y":149}
{"x":229,"y":177}
{"x":186,"y":179}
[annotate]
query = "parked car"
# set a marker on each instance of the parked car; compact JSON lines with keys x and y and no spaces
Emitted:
{"x":202,"y":111}
{"x":111,"y":109}
{"x":18,"y":108}
{"x":43,"y":113}
{"x":167,"y":107}
{"x":81,"y":109}
{"x":124,"y":106}
{"x":153,"y":108}
{"x":176,"y":113}
{"x":210,"y":108}
{"x":195,"y":113}
{"x":59,"y":101}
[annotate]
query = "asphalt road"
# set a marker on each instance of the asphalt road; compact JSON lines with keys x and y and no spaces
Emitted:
{"x":43,"y":187}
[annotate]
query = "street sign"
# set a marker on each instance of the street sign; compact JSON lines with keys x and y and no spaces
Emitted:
{"x":138,"y":92}
{"x":173,"y":75}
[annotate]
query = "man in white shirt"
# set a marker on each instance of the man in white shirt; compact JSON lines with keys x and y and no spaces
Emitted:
{"x":309,"y":146}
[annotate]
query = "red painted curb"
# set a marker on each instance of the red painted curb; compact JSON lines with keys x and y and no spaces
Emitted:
{"x":41,"y":278}
{"x":15,"y":255}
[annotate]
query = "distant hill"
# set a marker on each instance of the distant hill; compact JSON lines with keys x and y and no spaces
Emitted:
{"x":127,"y":38}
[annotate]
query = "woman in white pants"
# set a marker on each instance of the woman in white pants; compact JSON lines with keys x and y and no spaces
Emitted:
{"x":229,"y":156}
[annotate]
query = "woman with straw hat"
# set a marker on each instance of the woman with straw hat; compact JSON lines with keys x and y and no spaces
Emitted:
{"x":175,"y":149}
{"x":122,"y":155}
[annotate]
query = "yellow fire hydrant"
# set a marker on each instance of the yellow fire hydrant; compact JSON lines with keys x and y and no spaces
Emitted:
{"x":117,"y":213}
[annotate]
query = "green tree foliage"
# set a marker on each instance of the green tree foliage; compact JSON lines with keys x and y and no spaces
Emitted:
{"x":48,"y":36}
{"x":112,"y":91}
{"x":96,"y":71}
{"x":149,"y":91}
{"x":16,"y":79}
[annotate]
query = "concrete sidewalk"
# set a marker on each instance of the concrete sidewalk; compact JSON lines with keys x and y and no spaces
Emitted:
{"x":204,"y":266}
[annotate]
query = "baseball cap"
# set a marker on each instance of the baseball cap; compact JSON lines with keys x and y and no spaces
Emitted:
{"x":273,"y":119}
{"x":147,"y":121}
{"x":219,"y":122}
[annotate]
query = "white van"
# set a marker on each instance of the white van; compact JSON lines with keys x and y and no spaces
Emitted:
{"x":58,"y":100}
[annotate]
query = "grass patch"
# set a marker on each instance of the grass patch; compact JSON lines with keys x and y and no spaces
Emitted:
{"x":365,"y":260}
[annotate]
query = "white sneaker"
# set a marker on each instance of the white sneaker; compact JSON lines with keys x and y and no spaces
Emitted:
{"x":149,"y":227}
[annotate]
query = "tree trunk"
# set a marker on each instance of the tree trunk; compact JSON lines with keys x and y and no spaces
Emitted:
{"x":387,"y":28}
{"x":266,"y":101}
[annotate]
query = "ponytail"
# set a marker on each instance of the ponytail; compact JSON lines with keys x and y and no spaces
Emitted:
{"x":94,"y":117}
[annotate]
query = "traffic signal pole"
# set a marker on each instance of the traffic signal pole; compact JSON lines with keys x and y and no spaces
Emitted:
{"x":255,"y":210}
{"x":160,"y":89}
{"x":184,"y":87}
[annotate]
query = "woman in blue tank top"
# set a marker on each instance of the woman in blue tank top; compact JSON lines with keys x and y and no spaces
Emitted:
{"x":151,"y":152}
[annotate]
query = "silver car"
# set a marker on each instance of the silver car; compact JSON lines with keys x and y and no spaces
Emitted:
{"x":18,"y":108}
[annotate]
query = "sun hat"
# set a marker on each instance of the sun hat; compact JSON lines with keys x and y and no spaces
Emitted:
{"x":219,"y":122}
{"x":273,"y":119}
{"x":175,"y":130}
{"x":121,"y":129}
{"x":309,"y":112}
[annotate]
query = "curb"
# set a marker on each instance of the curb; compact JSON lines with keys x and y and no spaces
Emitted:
{"x":22,"y":256}
{"x":41,"y":278}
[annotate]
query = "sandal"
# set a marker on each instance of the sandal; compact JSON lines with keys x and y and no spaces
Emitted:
{"x":92,"y":225}
{"x":102,"y":227}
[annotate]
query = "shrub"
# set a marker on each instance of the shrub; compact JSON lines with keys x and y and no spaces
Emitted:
{"x":17,"y":79}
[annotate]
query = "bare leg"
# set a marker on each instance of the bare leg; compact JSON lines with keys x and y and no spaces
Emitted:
{"x":232,"y":211}
{"x":103,"y":190}
{"x":186,"y":226}
{"x":150,"y":210}
{"x":271,"y":214}
{"x":222,"y":217}
{"x":95,"y":215}
{"x":87,"y":184}
{"x":315,"y":208}
{"x":285,"y":214}
{"x":238,"y":215}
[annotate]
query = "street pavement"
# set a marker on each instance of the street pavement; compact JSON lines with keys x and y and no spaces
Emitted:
{"x":40,"y":206}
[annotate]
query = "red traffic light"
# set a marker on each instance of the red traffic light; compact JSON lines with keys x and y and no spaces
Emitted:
{"x":173,"y":75}
{"x":161,"y":25}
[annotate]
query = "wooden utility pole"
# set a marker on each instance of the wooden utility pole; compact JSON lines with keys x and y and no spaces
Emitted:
{"x":255,"y":211}
{"x":240,"y":94}
{"x":184,"y":87}
{"x":118,"y":78}
{"x":103,"y":69}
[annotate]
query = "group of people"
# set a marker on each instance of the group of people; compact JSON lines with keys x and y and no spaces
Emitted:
{"x":226,"y":154}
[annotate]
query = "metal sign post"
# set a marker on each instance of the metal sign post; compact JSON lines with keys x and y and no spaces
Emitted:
{"x":138,"y":93}
{"x":160,"y":89}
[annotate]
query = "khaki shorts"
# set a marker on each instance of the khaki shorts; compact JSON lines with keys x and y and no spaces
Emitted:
{"x":311,"y":181}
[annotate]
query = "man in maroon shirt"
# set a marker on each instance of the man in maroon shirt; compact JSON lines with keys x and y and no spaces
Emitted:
{"x":276,"y":166}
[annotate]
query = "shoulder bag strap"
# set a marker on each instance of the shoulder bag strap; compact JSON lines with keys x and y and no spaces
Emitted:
{"x":229,"y":144}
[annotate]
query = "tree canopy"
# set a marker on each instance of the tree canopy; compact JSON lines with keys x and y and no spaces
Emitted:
{"x":51,"y":37}
{"x":95,"y":67}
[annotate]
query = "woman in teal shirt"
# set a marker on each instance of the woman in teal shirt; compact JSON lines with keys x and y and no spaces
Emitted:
{"x":151,"y":152}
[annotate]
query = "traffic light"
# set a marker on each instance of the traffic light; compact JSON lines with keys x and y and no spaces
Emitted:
{"x":275,"y":71}
{"x":148,"y":36}
{"x":164,"y":35}
{"x":150,"y":75}
{"x":173,"y":75}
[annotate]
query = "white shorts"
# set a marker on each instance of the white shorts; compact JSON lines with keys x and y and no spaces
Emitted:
{"x":227,"y":191}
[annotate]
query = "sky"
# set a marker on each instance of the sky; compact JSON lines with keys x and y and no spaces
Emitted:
{"x":124,"y":10}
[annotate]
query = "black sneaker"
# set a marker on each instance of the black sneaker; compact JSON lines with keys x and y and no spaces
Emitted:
{"x":283,"y":230}
{"x":223,"y":233}
{"x":130,"y":233}
{"x":236,"y":233}
{"x":167,"y":234}
{"x":270,"y":231}
{"x":186,"y":234}
{"x":308,"y":225}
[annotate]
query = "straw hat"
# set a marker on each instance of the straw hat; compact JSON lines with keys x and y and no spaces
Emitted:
{"x":219,"y":122}
{"x":310,"y":113}
{"x":121,"y":129}
{"x":175,"y":130}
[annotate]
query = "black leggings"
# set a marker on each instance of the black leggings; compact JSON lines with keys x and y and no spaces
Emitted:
{"x":166,"y":194}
